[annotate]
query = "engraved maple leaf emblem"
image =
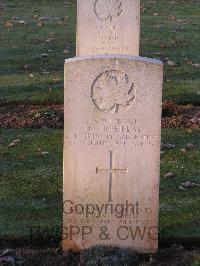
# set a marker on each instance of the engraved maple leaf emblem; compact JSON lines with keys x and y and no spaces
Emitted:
{"x":107,"y":9}
{"x":112,"y":90}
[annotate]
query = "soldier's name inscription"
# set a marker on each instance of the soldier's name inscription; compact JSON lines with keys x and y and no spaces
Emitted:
{"x":112,"y":131}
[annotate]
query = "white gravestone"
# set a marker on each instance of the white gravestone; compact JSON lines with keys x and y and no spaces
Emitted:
{"x":112,"y":152}
{"x":108,"y":27}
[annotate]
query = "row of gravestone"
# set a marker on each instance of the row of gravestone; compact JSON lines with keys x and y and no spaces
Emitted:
{"x":112,"y":132}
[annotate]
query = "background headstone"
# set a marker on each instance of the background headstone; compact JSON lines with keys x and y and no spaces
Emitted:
{"x":108,"y":27}
{"x":112,"y":152}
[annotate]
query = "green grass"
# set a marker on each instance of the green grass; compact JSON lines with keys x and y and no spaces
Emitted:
{"x":24,"y":44}
{"x":180,"y":210}
{"x":181,"y":40}
{"x":32,"y":183}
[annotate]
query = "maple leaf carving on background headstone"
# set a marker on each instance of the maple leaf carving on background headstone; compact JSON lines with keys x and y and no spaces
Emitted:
{"x":112,"y":90}
{"x":107,"y":9}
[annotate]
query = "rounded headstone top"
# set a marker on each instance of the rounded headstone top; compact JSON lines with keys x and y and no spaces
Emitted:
{"x":116,"y":57}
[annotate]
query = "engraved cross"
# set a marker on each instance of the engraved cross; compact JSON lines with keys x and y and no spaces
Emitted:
{"x":111,"y":171}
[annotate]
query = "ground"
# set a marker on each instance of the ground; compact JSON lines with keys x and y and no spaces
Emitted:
{"x":35,"y":162}
{"x":175,"y":255}
{"x":36,"y":37}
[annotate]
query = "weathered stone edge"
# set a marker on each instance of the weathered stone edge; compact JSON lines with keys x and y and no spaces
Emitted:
{"x":115,"y":56}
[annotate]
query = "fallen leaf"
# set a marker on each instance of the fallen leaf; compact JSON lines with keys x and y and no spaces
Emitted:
{"x":14,"y":143}
{"x":167,"y":146}
{"x":157,"y":53}
{"x":56,"y":80}
{"x":171,"y":63}
{"x":8,"y":24}
{"x":170,"y":175}
{"x":44,"y":55}
{"x":37,"y":115}
{"x":43,"y":18}
{"x":21,"y":22}
{"x":45,"y":72}
{"x":27,"y":67}
{"x":172,"y":18}
{"x":44,"y":153}
{"x":196,"y":119}
{"x":49,"y":39}
{"x":182,"y":188}
{"x":22,"y":157}
{"x":190,"y":146}
{"x":196,"y":65}
{"x":60,"y":23}
{"x":66,"y":51}
{"x":162,"y":45}
{"x":188,"y":61}
{"x":183,"y":151}
{"x":189,"y":184}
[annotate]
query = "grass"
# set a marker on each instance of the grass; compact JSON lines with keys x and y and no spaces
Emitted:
{"x":24,"y":44}
{"x":32,"y":182}
{"x":176,"y":28}
{"x":180,"y":210}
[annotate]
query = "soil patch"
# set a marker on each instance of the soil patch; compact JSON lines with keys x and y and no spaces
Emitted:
{"x":172,"y":256}
{"x":186,"y":116}
{"x":31,"y":116}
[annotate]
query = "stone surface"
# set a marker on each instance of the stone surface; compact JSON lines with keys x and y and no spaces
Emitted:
{"x":108,"y":27}
{"x":112,"y":152}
